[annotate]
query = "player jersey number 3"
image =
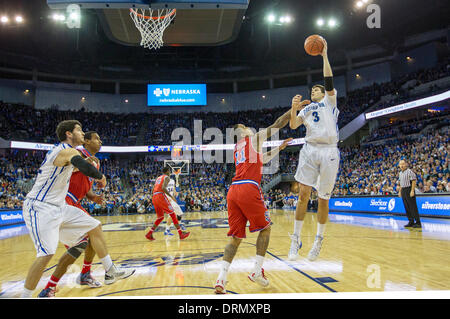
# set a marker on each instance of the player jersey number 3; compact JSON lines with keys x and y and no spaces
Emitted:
{"x":316,"y":116}
{"x":240,"y":156}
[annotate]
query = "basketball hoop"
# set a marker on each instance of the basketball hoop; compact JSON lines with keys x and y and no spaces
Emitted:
{"x":151,"y":24}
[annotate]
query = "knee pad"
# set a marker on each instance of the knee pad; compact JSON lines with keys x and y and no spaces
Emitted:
{"x":77,"y":250}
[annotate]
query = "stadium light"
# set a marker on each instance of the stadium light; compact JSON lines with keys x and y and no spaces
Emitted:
{"x":58,"y":17}
{"x":4,"y":19}
{"x":359,"y":4}
{"x":19,"y":19}
{"x":320,"y":22}
{"x":271,"y":18}
{"x":332,"y":23}
{"x":285,"y":19}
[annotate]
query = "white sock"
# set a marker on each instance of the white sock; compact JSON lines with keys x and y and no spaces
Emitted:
{"x":320,"y":229}
{"x":26,"y":293}
{"x":224,"y":270}
{"x":298,"y":224}
{"x":107,"y":262}
{"x":258,"y":264}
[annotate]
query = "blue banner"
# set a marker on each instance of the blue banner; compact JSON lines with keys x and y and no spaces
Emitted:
{"x":427,"y":205}
{"x":176,"y":94}
{"x":10,"y":217}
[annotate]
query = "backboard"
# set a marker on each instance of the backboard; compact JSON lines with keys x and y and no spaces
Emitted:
{"x":197,"y":23}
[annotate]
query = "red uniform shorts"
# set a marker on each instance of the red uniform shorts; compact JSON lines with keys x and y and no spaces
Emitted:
{"x":246,"y":203}
{"x":161,"y":204}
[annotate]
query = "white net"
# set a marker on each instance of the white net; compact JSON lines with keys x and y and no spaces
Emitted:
{"x":151,"y":23}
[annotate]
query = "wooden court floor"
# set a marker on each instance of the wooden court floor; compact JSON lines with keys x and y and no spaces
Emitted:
{"x":371,"y":254}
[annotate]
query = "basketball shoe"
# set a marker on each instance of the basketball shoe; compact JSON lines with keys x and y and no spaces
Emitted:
{"x":115,"y":273}
{"x":47,"y":293}
{"x":315,"y":250}
{"x":86,"y":279}
{"x":149,"y":236}
{"x":259,"y":278}
{"x":296,"y":244}
{"x":167,"y":232}
{"x":184,"y":235}
{"x":220,"y":287}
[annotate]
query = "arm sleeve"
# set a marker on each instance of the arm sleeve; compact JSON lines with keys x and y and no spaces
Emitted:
{"x":86,"y":168}
{"x":328,"y":83}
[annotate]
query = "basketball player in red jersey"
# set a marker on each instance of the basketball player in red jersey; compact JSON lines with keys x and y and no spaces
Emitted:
{"x":245,"y":199}
{"x":162,"y":205}
{"x":79,"y":187}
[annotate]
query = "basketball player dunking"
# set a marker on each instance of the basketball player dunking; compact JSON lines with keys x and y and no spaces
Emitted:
{"x":245,"y":199}
{"x":319,"y":158}
{"x":79,"y":187}
{"x":163,"y":206}
{"x":49,"y":219}
{"x":172,"y":188}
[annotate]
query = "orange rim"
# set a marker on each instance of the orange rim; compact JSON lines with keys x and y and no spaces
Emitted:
{"x":153,"y":18}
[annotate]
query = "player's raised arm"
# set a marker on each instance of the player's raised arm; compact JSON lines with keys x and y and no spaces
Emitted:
{"x":268,"y":156}
{"x":297,"y":105}
{"x":259,"y":138}
{"x":72,"y":156}
{"x":327,"y":72}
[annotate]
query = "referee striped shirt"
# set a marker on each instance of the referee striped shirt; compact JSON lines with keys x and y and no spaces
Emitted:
{"x":406,"y":177}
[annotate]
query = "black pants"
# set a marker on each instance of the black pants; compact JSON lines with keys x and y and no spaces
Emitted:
{"x":410,"y":205}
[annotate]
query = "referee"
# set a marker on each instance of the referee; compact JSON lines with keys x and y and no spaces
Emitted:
{"x":406,"y":192}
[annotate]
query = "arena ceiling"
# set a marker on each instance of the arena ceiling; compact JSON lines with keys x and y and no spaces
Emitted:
{"x":42,"y":44}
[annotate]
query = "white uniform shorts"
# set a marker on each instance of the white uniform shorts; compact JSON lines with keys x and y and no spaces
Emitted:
{"x":318,"y":167}
{"x":49,"y":224}
{"x":177,"y":209}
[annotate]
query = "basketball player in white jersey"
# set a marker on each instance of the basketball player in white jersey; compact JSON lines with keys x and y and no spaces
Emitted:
{"x":49,"y":219}
{"x":319,"y":158}
{"x":171,"y":187}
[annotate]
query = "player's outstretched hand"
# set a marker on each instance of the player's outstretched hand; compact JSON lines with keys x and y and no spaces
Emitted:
{"x":298,"y":104}
{"x":99,"y":199}
{"x":285,"y":143}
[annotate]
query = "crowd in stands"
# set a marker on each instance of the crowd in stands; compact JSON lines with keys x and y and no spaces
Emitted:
{"x":412,"y":126}
{"x":25,"y":123}
{"x":373,"y":169}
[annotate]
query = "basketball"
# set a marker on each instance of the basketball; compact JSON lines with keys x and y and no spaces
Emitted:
{"x":314,"y":44}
